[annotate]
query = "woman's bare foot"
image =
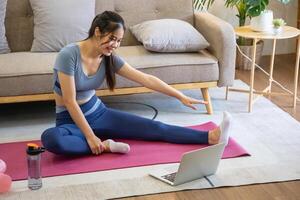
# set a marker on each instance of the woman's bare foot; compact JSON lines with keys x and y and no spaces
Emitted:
{"x":221,"y":133}
{"x":116,"y":147}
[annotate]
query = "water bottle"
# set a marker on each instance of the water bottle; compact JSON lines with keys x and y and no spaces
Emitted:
{"x":34,"y":166}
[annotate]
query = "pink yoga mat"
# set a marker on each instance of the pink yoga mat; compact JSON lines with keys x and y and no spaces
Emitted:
{"x":142,"y":153}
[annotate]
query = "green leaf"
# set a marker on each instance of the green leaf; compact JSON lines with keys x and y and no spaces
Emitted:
{"x":200,"y":4}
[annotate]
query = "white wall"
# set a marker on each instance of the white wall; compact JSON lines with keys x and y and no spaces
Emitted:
{"x":287,"y":12}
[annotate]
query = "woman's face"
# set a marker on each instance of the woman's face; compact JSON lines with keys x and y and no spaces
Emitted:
{"x":110,"y":41}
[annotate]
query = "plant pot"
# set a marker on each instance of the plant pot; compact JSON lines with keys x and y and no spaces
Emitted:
{"x":277,"y":30}
{"x":242,"y":62}
{"x":263,"y":22}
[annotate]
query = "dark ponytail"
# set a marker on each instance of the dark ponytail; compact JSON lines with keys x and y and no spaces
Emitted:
{"x":107,"y":22}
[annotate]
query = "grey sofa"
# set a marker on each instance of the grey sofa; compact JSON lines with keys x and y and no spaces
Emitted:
{"x":27,"y":76}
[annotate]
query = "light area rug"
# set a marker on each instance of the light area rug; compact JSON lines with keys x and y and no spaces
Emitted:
{"x":269,"y":134}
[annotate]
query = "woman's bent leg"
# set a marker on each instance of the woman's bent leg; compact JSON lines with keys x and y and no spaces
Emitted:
{"x":117,"y":124}
{"x":65,"y":139}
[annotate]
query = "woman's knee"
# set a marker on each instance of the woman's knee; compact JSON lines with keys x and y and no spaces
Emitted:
{"x":51,"y":139}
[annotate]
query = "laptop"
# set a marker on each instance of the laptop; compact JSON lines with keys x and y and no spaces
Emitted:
{"x":193,"y":165}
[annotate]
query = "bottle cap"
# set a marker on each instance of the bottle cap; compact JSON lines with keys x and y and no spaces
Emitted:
{"x":34,"y":149}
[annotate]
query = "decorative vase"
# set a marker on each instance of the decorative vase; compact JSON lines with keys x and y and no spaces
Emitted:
{"x":263,"y":22}
{"x":242,"y":62}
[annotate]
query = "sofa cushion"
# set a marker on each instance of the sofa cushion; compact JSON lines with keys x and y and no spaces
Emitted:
{"x":26,"y":63}
{"x":135,"y":12}
{"x":139,"y":57}
{"x":3,"y":42}
{"x":169,"y":35}
{"x":29,"y":63}
{"x":23,"y":70}
{"x":58,"y":23}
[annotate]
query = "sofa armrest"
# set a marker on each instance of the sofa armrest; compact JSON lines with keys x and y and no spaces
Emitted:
{"x":221,"y":38}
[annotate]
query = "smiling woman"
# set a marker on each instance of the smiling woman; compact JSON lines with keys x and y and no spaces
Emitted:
{"x":109,"y":27}
{"x":82,"y":118}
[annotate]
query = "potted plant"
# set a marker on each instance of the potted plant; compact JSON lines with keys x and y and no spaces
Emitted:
{"x":246,"y":9}
{"x":277,"y":25}
{"x":262,"y":22}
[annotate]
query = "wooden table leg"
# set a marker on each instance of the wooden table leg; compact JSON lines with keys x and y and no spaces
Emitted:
{"x":252,"y":75}
{"x":296,"y":73}
{"x":206,"y":97}
{"x":271,"y":67}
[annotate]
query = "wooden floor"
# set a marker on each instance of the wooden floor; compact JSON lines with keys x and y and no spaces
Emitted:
{"x":284,"y":73}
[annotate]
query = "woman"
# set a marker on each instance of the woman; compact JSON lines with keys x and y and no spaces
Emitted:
{"x":82,"y":120}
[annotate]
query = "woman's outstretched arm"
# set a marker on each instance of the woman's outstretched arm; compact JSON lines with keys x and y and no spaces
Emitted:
{"x":156,"y":84}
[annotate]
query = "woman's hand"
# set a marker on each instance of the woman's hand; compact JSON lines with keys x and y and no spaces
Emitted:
{"x":96,"y":146}
{"x":189,"y":101}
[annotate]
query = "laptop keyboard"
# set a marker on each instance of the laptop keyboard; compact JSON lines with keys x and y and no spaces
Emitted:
{"x":170,"y":177}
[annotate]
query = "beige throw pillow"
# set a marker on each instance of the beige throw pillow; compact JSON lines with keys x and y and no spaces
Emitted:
{"x":169,"y":35}
{"x":60,"y":22}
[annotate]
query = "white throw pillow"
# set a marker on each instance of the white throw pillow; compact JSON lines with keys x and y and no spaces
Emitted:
{"x":169,"y":35}
{"x":60,"y":22}
{"x":3,"y":42}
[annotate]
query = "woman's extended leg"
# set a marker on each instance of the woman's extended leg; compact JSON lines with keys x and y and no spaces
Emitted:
{"x":68,"y":139}
{"x":117,"y":124}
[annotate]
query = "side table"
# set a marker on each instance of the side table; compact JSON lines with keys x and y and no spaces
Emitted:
{"x":287,"y":32}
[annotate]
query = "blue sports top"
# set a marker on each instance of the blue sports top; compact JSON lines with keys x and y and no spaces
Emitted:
{"x":68,"y":61}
